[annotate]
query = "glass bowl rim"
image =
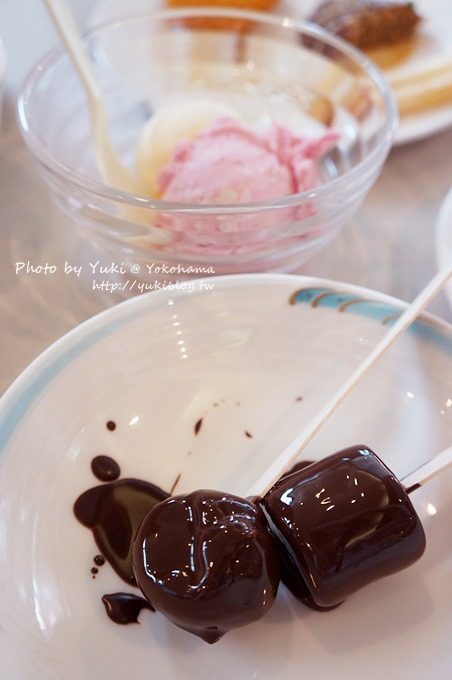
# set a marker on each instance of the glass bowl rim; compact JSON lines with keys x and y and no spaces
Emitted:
{"x":101,"y":190}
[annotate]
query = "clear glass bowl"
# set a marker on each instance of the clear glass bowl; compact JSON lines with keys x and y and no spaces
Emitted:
{"x":267,"y":68}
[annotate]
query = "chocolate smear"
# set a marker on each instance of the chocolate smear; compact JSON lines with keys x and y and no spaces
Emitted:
{"x":105,"y":468}
{"x":125,"y":608}
{"x":114,"y":511}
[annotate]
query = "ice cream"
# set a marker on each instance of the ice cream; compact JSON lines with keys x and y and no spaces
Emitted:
{"x":230,"y":163}
{"x":170,"y":125}
{"x":202,"y":153}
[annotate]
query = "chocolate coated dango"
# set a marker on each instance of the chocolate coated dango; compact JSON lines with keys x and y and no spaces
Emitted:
{"x":342,"y":523}
{"x":207,"y":561}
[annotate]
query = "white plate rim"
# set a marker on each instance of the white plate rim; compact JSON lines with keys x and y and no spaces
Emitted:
{"x":113,"y":318}
{"x":46,"y":365}
{"x":412,"y":128}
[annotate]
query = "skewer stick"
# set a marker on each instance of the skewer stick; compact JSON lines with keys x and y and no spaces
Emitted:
{"x":414,"y":480}
{"x":292,"y":451}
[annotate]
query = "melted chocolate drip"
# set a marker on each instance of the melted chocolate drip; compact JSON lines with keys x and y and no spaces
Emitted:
{"x":198,"y":425}
{"x":113,"y":512}
{"x":111,"y":425}
{"x":125,"y":608}
{"x":105,"y":468}
{"x":208,"y":562}
{"x":99,"y":560}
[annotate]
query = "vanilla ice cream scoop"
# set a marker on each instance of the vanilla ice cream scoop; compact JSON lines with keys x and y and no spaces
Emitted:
{"x":171,"y":124}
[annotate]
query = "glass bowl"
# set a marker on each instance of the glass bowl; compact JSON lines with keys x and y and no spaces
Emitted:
{"x":268,"y":68}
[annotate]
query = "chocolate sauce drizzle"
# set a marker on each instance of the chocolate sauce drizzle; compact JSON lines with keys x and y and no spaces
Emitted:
{"x":105,"y":468}
{"x":125,"y":608}
{"x":198,"y":426}
{"x":114,"y":511}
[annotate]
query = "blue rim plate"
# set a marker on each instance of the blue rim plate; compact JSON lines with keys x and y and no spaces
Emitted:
{"x":248,"y":355}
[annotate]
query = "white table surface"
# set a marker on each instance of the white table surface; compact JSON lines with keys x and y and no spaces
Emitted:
{"x":389,"y":246}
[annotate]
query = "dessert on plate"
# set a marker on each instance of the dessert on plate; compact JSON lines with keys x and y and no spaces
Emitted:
{"x":211,"y":561}
{"x":368,"y":24}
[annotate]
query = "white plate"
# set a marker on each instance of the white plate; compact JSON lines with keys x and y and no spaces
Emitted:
{"x":444,"y":238}
{"x":107,"y":10}
{"x":435,"y":42}
{"x":155,"y":365}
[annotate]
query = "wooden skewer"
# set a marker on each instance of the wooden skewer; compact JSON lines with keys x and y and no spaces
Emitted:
{"x":291,"y":452}
{"x":414,"y":480}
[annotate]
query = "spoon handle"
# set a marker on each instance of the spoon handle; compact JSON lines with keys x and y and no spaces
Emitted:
{"x":69,"y":33}
{"x":112,"y":170}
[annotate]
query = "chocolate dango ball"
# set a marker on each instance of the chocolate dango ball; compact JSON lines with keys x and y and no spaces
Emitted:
{"x":207,"y":561}
{"x":342,"y":523}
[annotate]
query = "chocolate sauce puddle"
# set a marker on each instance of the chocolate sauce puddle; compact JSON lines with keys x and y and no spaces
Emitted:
{"x":105,"y":468}
{"x":114,"y":511}
{"x":125,"y":608}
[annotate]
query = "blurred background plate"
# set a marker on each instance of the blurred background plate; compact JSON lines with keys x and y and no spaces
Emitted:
{"x":433,"y":43}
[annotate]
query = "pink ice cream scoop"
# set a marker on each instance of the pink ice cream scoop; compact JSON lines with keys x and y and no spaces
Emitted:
{"x":230,"y":164}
